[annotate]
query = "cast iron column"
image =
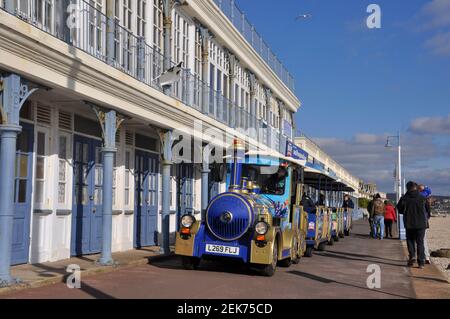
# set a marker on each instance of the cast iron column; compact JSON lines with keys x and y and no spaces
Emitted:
{"x":13,"y":94}
{"x":8,"y":136}
{"x":109,"y":123}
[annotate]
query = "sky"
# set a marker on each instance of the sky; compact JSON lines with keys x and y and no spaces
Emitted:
{"x":359,"y":85}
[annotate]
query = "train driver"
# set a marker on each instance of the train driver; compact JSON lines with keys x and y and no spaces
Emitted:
{"x":275,"y":184}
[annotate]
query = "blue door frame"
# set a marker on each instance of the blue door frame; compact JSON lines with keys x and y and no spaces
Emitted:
{"x":22,"y":195}
{"x":87,"y":196}
{"x":185,"y":190}
{"x":146,"y":199}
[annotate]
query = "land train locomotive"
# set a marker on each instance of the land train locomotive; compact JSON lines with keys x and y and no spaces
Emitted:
{"x":258,"y":220}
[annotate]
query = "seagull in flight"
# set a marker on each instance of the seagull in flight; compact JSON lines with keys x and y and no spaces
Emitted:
{"x":303,"y":16}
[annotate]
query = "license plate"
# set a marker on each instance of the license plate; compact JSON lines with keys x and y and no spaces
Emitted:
{"x":219,"y":249}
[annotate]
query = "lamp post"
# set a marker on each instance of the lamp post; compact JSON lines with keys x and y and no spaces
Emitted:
{"x":401,"y":228}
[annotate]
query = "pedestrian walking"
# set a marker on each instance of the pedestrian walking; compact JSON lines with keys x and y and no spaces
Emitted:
{"x":390,"y":217}
{"x":414,"y":208}
{"x":348,"y":203}
{"x":370,"y":211}
{"x":378,"y":217}
{"x":426,"y":192}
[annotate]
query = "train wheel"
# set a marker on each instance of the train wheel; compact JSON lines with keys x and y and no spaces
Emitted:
{"x":322,"y":246}
{"x":269,"y":270}
{"x":331,"y":241}
{"x":190,"y":263}
{"x":309,"y":251}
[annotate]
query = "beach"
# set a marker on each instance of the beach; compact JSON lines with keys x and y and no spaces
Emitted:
{"x":438,"y":238}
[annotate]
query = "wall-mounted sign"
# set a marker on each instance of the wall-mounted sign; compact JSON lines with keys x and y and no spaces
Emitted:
{"x":295,"y":152}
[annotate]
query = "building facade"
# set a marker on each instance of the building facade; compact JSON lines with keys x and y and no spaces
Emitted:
{"x":95,"y":130}
{"x":319,"y":157}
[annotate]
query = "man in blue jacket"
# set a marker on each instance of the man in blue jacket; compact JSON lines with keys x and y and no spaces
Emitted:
{"x":414,"y":208}
{"x":426,"y":192}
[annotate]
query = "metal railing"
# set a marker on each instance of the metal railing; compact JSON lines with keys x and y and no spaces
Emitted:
{"x":240,"y":21}
{"x":103,"y":38}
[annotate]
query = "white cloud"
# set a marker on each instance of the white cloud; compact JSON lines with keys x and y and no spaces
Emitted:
{"x":365,"y":156}
{"x":435,"y":18}
{"x":437,"y":179}
{"x":431,"y":125}
{"x":439,"y":44}
{"x":437,"y":13}
{"x":364,"y":138}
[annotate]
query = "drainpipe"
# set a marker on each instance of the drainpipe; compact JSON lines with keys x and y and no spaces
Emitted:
{"x":232,"y":109}
{"x":9,"y":6}
{"x":167,"y":34}
{"x":281,"y":119}
{"x":253,"y":115}
{"x":166,"y":166}
{"x":269,"y":116}
{"x":110,"y":31}
{"x":204,"y":34}
{"x":205,"y":180}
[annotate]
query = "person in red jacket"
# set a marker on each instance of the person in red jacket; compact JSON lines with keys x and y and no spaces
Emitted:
{"x":390,"y":216}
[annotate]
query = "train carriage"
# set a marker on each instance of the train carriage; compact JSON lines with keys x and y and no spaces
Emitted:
{"x":320,"y":219}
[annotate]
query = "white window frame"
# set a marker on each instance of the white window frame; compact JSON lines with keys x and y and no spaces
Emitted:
{"x":115,"y":181}
{"x":45,"y":20}
{"x":217,"y":59}
{"x":68,"y":171}
{"x":157,"y":23}
{"x":127,"y":14}
{"x":141,"y":18}
{"x":46,"y":162}
{"x":130,"y":179}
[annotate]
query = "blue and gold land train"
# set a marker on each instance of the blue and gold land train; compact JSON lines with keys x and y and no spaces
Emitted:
{"x":259,"y":219}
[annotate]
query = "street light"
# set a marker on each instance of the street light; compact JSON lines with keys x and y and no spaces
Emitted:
{"x":401,"y":229}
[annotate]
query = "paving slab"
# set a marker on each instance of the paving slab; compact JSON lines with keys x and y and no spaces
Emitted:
{"x":340,"y":272}
{"x":42,"y":274}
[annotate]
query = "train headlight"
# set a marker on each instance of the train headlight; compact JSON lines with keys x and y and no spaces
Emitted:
{"x":261,"y":228}
{"x":187,"y":221}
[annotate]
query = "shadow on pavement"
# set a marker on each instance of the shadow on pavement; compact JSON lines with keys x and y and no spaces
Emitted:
{"x":95,"y":292}
{"x":312,"y":277}
{"x":430,"y":278}
{"x":366,"y":256}
{"x":329,"y":281}
{"x":360,"y":236}
{"x":333,"y":255}
{"x":224,"y":266}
